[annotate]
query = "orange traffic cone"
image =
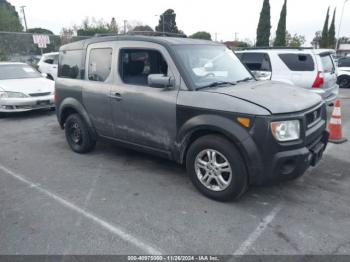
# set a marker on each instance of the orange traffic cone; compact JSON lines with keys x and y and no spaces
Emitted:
{"x":334,"y":127}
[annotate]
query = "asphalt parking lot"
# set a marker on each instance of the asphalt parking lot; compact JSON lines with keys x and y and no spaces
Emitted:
{"x":117,"y":201}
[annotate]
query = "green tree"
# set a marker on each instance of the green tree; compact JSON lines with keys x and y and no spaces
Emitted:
{"x":9,"y":19}
{"x":331,"y":33}
{"x":39,"y":30}
{"x":264,"y":26}
{"x":90,"y":28}
{"x":113,"y":26}
{"x":280,"y":39}
{"x":143,"y":28}
{"x":167,"y":22}
{"x":201,"y":35}
{"x":324,"y":39}
{"x":295,"y":40}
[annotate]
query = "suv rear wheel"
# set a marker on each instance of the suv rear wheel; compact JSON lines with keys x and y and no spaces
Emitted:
{"x":344,"y":81}
{"x":78,"y":134}
{"x":216,"y":168}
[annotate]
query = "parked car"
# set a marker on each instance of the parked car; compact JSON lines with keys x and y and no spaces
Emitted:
{"x":312,"y":69}
{"x":48,"y":65}
{"x":191,"y":101}
{"x":22,"y":88}
{"x":344,"y":72}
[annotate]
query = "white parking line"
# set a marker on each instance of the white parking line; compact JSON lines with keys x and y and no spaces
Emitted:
{"x":249,"y":242}
{"x":106,"y":225}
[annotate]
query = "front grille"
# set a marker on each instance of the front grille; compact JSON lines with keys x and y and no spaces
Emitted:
{"x":40,"y":94}
{"x":313,"y":117}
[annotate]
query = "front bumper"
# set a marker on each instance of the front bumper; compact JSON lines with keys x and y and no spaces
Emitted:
{"x":288,"y":160}
{"x":9,"y":105}
{"x":293,"y":163}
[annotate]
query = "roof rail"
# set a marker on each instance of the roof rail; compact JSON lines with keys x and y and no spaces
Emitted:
{"x":144,"y":33}
{"x":277,"y":48}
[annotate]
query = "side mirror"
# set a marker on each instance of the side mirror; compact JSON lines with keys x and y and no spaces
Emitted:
{"x":160,"y":81}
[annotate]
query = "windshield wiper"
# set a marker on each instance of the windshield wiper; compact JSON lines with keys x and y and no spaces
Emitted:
{"x":245,"y":79}
{"x":215,"y":84}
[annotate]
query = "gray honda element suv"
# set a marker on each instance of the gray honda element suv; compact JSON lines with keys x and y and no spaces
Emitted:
{"x":190,"y":101}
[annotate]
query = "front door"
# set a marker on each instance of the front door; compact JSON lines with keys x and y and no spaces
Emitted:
{"x":144,"y":115}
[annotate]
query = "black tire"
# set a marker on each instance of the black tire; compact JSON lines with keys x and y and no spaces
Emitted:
{"x":344,"y":81}
{"x":78,"y":134}
{"x":2,"y":115}
{"x":239,"y":177}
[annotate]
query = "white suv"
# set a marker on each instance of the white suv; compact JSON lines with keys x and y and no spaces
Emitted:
{"x":344,"y":72}
{"x":48,"y":65}
{"x":312,"y":69}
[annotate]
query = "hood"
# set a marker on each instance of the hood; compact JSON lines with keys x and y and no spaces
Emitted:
{"x":28,"y":85}
{"x":276,"y":97}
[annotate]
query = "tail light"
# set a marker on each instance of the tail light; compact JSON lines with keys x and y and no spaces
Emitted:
{"x":319,"y":81}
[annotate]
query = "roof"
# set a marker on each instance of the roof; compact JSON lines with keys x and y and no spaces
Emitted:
{"x":165,"y":41}
{"x":288,"y":50}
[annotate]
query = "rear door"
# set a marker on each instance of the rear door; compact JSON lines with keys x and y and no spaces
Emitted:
{"x":298,"y":68}
{"x":97,"y":85}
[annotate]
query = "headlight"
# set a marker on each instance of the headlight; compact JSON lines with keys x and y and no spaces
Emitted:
{"x":286,"y":130}
{"x":6,"y":94}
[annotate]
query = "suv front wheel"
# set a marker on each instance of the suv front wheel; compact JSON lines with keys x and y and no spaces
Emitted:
{"x":78,"y":134}
{"x":216,"y":168}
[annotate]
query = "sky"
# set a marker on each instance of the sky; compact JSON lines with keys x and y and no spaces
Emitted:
{"x":225,"y":18}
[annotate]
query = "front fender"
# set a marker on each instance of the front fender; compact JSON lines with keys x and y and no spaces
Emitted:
{"x":227,"y":127}
{"x":73,"y":104}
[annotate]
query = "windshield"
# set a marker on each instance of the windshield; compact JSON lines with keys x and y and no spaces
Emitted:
{"x":207,"y":64}
{"x":17,"y":71}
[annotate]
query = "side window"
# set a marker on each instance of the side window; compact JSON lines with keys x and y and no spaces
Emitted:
{"x":257,"y":61}
{"x":49,"y":60}
{"x":70,"y":64}
{"x":345,"y":62}
{"x":136,"y":64}
{"x":298,"y":62}
{"x":100,"y":61}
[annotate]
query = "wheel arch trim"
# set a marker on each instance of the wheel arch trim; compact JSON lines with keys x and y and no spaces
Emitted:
{"x":74,"y":104}
{"x":209,"y":124}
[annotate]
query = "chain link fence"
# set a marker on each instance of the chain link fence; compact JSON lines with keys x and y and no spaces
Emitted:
{"x":20,"y":47}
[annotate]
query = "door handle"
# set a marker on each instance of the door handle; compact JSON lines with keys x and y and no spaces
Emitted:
{"x":116,"y":96}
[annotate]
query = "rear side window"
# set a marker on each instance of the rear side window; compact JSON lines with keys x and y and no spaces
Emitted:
{"x":256,"y":61}
{"x":298,"y":62}
{"x":100,"y":61}
{"x":136,"y":64}
{"x":52,"y":59}
{"x":327,"y":64}
{"x":70,"y":64}
{"x":345,"y":62}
